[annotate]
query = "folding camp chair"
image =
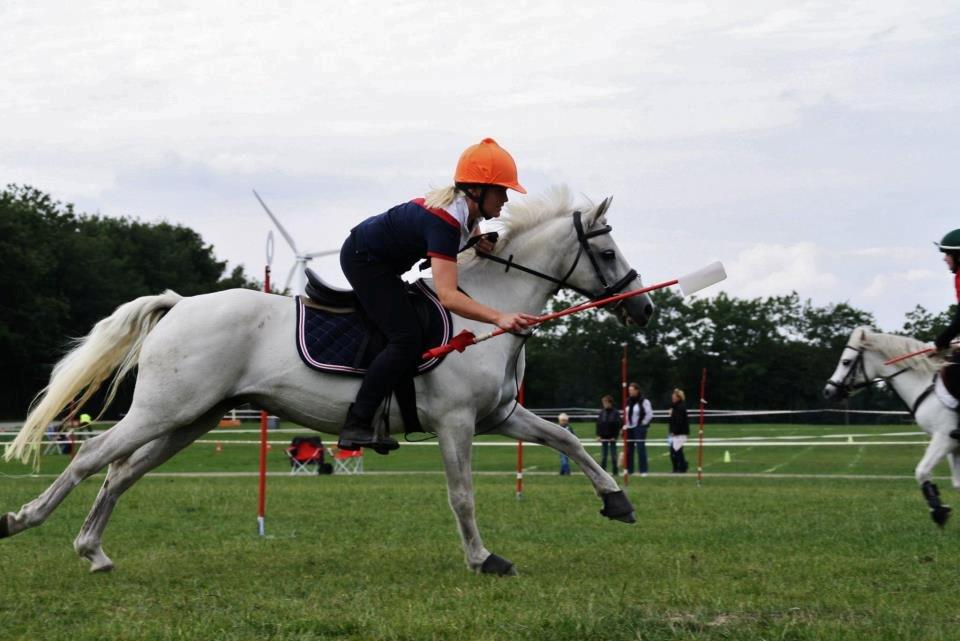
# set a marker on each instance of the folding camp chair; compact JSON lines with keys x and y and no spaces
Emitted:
{"x":305,"y":451}
{"x":348,"y":462}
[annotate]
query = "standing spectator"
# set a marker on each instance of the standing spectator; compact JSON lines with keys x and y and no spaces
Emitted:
{"x":608,"y":428}
{"x":679,"y":431}
{"x":564,"y":422}
{"x":86,"y":424}
{"x":637,"y":422}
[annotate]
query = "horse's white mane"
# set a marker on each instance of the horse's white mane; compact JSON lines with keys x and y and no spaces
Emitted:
{"x":555,"y":202}
{"x":532,"y":212}
{"x":893,"y":345}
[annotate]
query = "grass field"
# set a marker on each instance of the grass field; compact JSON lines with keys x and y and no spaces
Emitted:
{"x":772,"y":556}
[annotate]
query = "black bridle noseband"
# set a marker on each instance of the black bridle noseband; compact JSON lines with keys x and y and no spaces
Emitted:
{"x":584,"y":248}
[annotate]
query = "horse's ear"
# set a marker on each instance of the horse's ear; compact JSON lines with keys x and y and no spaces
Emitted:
{"x":601,"y":210}
{"x":863,"y":335}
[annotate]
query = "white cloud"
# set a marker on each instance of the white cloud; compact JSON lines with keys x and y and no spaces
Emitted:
{"x":898,"y":283}
{"x":765,"y":270}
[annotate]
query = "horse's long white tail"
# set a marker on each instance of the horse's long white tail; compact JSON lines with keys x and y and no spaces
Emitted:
{"x":113,"y":344}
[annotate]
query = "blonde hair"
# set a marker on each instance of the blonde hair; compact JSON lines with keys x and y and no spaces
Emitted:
{"x":563,"y":417}
{"x":679,"y":394}
{"x":442,"y":196}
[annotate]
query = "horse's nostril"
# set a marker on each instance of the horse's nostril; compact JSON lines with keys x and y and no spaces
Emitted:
{"x":648,"y":310}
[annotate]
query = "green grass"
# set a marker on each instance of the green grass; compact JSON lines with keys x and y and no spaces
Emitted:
{"x":378,"y":557}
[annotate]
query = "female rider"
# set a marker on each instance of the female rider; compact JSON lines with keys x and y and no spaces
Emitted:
{"x":950,"y":246}
{"x":383,"y":247}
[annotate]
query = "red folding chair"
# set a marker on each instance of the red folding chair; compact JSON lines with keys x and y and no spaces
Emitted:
{"x":305,"y":451}
{"x":348,"y":462}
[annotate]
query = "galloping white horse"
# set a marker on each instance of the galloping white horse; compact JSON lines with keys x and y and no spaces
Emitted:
{"x":198,"y":357}
{"x":862,"y":364}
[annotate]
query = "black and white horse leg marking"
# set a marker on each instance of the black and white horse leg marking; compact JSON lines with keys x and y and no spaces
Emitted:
{"x":4,"y":526}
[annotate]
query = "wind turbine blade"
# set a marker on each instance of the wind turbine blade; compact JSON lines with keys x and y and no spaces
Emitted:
{"x":702,"y":278}
{"x":283,"y":232}
{"x":293,"y":270}
{"x":327,"y":252}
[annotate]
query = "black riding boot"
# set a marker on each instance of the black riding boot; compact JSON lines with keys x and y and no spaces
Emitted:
{"x":357,"y":432}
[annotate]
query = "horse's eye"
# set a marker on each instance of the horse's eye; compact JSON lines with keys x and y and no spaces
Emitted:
{"x":845,"y":362}
{"x":608,"y":254}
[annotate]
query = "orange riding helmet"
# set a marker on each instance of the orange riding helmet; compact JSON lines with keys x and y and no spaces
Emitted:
{"x":487,"y":163}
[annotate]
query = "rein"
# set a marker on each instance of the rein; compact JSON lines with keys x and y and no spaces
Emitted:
{"x":583,"y":248}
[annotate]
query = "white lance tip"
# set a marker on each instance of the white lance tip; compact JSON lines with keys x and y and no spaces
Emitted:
{"x":702,"y":278}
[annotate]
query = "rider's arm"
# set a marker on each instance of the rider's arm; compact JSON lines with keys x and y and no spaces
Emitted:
{"x":951,"y":332}
{"x":445,"y":281}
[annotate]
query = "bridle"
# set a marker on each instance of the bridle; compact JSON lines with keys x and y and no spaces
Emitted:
{"x":583,"y":248}
{"x":849,"y":386}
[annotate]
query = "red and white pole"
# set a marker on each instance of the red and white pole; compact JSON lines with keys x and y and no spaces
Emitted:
{"x":623,"y":403}
{"x":262,"y":489}
{"x":520,"y":399}
{"x":703,"y":401}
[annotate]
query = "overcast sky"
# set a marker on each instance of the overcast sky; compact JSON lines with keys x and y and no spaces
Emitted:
{"x":810,"y":146}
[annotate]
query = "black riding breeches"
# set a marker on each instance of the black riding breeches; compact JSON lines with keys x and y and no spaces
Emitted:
{"x":383,"y":295}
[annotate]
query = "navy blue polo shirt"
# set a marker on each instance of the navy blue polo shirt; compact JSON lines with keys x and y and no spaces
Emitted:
{"x":410,"y":232}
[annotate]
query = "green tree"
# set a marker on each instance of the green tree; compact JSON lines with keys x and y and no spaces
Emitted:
{"x":61,"y":272}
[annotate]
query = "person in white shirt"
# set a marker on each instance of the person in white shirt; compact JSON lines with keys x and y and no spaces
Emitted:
{"x":636,"y":423}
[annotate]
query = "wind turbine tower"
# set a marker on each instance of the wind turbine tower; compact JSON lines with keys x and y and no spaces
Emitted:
{"x":302,"y":258}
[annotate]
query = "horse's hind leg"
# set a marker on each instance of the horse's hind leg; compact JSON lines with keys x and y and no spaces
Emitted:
{"x":122,"y":475}
{"x":527,"y":426}
{"x":120,"y":441}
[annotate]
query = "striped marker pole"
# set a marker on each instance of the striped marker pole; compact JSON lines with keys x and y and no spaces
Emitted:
{"x":262,"y":487}
{"x":703,"y":402}
{"x":520,"y":400}
{"x":623,"y":403}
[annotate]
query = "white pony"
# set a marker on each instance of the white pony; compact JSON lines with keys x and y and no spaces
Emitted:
{"x":198,"y":357}
{"x":862,"y":364}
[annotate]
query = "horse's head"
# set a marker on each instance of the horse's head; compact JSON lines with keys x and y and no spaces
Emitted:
{"x":600,"y":269}
{"x":850,"y":375}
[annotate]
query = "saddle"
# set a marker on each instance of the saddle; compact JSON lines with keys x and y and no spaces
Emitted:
{"x":335,"y":336}
{"x":947,"y":384}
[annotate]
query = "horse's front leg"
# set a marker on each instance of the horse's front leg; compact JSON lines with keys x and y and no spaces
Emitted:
{"x":940,"y":444}
{"x":456,"y":442}
{"x":527,"y":426}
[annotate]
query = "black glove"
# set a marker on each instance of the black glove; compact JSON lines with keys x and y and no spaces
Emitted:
{"x":942,"y":342}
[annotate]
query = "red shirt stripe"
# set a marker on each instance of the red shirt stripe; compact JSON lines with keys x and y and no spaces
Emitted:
{"x":439,"y":213}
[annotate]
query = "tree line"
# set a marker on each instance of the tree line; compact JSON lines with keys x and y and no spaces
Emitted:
{"x":760,"y":353}
{"x":62,"y":271}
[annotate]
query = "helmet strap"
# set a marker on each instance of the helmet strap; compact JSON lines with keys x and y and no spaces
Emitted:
{"x":477,"y":199}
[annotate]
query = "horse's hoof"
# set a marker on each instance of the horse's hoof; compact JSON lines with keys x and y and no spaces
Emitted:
{"x":103,"y":567}
{"x":617,"y":506}
{"x":940,"y":514}
{"x":4,"y":526}
{"x":498,"y":565}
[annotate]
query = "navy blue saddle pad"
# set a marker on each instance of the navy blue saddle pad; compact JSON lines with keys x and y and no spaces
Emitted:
{"x":346,"y":342}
